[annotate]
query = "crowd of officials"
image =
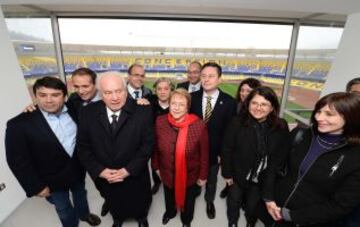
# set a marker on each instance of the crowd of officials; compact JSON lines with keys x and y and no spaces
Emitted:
{"x":111,"y":128}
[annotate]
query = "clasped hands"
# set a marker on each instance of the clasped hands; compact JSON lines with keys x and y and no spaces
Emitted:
{"x":114,"y":175}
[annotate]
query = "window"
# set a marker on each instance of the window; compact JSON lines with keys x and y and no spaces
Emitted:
{"x":33,"y":42}
{"x":315,"y":53}
{"x":166,"y":48}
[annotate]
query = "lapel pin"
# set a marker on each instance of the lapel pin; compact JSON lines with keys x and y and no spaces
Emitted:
{"x":221,"y":102}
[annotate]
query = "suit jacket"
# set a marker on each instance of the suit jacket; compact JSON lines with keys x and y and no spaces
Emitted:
{"x":223,"y":111}
{"x":185,"y":85}
{"x":37,"y":158}
{"x":197,"y":151}
{"x":129,"y":147}
{"x":146,"y":93}
{"x":75,"y":102}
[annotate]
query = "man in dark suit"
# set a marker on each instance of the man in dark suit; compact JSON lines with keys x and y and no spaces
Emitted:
{"x":115,"y":142}
{"x":193,"y":74}
{"x":135,"y":86}
{"x":216,"y":108}
{"x":42,"y":154}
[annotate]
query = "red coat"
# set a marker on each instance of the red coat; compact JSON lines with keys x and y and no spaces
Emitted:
{"x":197,"y":151}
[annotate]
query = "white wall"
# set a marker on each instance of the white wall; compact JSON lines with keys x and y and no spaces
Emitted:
{"x":347,"y":59}
{"x":13,"y":97}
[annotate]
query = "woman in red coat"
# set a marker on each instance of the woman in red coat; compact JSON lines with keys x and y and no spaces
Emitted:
{"x":181,"y":156}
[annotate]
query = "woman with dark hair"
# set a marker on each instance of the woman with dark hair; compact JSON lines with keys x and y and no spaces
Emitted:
{"x":181,"y":156}
{"x":322,"y":183}
{"x":253,"y":148}
{"x":244,"y":89}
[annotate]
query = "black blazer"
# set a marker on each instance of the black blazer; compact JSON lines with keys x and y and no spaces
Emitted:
{"x":328,"y":191}
{"x":75,"y":102}
{"x":239,"y":153}
{"x":185,"y":85}
{"x":130,"y":147}
{"x":37,"y":158}
{"x":223,"y":111}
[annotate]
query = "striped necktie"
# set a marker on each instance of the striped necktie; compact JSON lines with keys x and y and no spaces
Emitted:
{"x":208,"y":109}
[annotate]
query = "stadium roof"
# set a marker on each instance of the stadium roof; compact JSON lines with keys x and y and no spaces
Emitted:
{"x":308,"y":10}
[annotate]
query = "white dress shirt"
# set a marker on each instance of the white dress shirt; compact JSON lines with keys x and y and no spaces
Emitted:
{"x":214,"y":98}
{"x":131,"y":91}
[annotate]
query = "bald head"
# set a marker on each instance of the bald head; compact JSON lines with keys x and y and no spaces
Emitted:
{"x":113,"y":90}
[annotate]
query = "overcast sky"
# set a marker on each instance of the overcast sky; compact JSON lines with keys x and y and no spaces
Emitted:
{"x":178,"y":34}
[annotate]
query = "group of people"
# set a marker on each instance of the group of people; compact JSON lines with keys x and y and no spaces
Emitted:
{"x":111,"y":128}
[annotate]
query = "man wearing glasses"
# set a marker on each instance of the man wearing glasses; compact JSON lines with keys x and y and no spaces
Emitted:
{"x":193,"y":74}
{"x":135,"y":86}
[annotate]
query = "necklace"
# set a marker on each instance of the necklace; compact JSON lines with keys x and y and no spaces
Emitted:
{"x":324,"y":141}
{"x":325,"y":144}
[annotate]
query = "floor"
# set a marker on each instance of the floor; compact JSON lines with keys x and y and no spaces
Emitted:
{"x":36,"y":212}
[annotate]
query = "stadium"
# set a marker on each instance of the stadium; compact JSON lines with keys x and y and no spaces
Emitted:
{"x":268,"y":65}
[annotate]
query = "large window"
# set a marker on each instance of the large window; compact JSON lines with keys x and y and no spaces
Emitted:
{"x":314,"y":55}
{"x":165,"y":48}
{"x":33,"y":42}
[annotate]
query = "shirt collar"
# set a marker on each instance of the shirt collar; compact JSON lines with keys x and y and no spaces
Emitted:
{"x":110,"y":112}
{"x":64,"y":110}
{"x":131,"y":89}
{"x":213,"y":95}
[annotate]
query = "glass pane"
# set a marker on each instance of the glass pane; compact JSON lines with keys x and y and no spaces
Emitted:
{"x":166,"y":48}
{"x":33,"y":42}
{"x":314,"y":55}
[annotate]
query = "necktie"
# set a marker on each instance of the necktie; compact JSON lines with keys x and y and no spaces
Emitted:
{"x":136,"y":94}
{"x":193,"y":88}
{"x":208,"y":109}
{"x":113,"y":124}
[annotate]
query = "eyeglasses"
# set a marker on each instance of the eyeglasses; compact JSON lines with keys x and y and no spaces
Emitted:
{"x":209,"y":76}
{"x":261,"y":105}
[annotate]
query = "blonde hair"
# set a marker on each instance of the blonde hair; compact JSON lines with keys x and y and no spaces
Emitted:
{"x":184,"y":93}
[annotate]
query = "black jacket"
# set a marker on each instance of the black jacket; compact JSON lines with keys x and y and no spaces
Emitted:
{"x":185,"y":85}
{"x":223,"y":111}
{"x":37,"y":158}
{"x":239,"y":153}
{"x":129,"y":147}
{"x":329,"y":190}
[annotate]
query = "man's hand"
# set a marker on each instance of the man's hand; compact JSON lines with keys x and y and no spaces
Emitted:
{"x":114,"y":175}
{"x":143,"y":102}
{"x":229,"y":181}
{"x":44,"y":193}
{"x":273,"y":210}
{"x":201,"y":182}
{"x":30,"y":108}
{"x":107,"y":173}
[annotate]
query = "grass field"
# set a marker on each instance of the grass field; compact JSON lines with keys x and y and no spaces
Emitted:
{"x":231,"y":89}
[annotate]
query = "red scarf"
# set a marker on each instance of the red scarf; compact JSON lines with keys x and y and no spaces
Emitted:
{"x":180,"y":157}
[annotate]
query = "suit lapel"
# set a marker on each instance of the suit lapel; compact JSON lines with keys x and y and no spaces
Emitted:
{"x":103,"y":119}
{"x":44,"y":127}
{"x":218,"y":105}
{"x":125,"y":114}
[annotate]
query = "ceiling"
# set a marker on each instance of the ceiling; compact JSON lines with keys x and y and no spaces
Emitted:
{"x":307,"y":10}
